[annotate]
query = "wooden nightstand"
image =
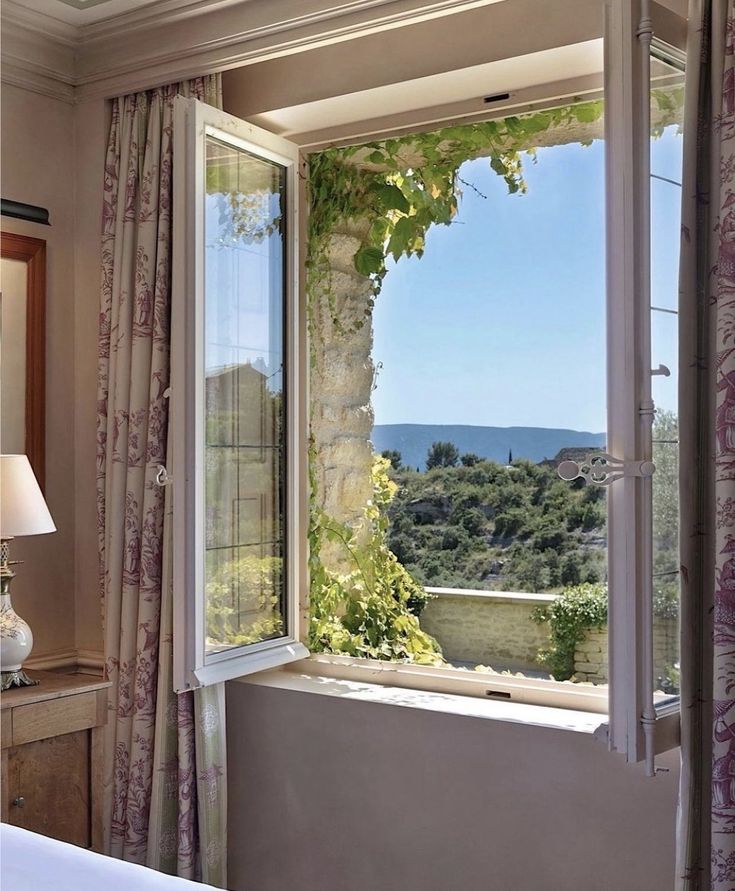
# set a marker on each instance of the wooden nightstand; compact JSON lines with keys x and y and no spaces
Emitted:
{"x":52,"y":756}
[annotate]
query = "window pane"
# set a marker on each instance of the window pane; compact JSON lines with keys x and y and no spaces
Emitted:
{"x":666,"y":159}
{"x":244,"y":404}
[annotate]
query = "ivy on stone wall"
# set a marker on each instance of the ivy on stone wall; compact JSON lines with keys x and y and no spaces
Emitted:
{"x":405,"y":185}
{"x":570,"y":616}
{"x":372,"y":609}
{"x":397,"y":190}
{"x":391,"y":193}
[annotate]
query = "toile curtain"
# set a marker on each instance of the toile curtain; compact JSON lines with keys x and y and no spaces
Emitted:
{"x":706,"y":823}
{"x":165,"y":792}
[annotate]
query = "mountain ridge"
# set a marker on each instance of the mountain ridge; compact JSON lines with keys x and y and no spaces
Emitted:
{"x":532,"y":443}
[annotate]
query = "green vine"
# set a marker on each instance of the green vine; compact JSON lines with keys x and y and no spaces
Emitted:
{"x":391,"y":193}
{"x":403,"y":186}
{"x":570,"y":616}
{"x":372,"y":609}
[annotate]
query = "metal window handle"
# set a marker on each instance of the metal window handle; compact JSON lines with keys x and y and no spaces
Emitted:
{"x":19,"y":801}
{"x":162,"y":477}
{"x":602,"y":469}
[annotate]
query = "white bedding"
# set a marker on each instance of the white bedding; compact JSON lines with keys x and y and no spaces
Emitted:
{"x":31,"y":862}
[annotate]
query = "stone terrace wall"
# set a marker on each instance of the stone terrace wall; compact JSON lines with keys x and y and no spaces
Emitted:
{"x":488,"y":627}
{"x":591,"y":655}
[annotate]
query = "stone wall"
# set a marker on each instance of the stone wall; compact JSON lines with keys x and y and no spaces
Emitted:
{"x":488,"y":627}
{"x":591,"y":654}
{"x":341,"y":384}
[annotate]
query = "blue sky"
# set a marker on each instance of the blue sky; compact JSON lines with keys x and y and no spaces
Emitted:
{"x":501,"y":322}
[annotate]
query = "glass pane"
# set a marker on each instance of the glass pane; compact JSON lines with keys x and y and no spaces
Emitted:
{"x":665,"y":351}
{"x":244,"y":400}
{"x":666,"y":557}
{"x":666,"y":161}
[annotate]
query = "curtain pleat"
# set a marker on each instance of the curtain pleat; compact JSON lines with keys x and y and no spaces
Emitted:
{"x":706,"y":819}
{"x":165,"y":802}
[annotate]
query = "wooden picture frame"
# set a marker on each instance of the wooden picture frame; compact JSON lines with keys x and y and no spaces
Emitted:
{"x":32,"y":252}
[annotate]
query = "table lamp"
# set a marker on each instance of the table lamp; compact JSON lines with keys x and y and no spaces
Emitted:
{"x":22,"y":512}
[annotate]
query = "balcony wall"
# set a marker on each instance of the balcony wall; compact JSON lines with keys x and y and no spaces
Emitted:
{"x":488,"y":627}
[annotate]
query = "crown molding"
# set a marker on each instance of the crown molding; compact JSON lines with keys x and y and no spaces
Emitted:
{"x":16,"y":73}
{"x":36,"y":59}
{"x":162,"y":12}
{"x":160,"y":43}
{"x":109,"y":66}
{"x":32,"y":20}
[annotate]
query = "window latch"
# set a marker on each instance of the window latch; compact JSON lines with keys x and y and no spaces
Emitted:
{"x":162,"y":477}
{"x":602,"y":469}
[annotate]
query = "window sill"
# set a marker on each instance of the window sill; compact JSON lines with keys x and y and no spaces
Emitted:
{"x":305,"y":677}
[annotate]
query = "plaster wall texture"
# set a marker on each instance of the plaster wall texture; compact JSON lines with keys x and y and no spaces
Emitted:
{"x":338,"y":794}
{"x":38,"y":168}
{"x":489,"y":631}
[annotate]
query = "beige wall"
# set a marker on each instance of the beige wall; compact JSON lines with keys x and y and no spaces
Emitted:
{"x":91,"y":126}
{"x":330,"y":794}
{"x":53,"y":156}
{"x":38,"y":168}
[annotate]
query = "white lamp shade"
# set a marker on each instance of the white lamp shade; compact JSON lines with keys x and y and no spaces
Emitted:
{"x":23,"y":510}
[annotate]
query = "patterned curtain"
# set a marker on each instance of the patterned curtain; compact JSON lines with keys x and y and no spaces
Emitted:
{"x":706,"y":825}
{"x":165,"y":803}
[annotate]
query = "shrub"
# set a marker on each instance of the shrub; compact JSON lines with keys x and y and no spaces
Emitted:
{"x":570,"y":616}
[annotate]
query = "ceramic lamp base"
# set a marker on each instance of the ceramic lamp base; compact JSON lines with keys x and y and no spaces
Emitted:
{"x":17,"y":678}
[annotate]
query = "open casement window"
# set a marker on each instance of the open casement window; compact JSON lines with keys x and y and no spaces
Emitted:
{"x":638,"y":68}
{"x":235,"y":407}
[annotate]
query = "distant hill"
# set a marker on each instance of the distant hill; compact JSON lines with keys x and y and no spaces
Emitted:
{"x":532,"y":443}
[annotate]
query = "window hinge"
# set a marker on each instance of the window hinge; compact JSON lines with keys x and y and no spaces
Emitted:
{"x":602,"y":469}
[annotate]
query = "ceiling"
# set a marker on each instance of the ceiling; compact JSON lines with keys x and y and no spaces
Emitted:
{"x":507,"y":75}
{"x":87,"y":12}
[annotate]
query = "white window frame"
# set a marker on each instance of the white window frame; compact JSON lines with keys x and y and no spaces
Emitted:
{"x":636,"y":727}
{"x":628,"y":699}
{"x":193,"y":122}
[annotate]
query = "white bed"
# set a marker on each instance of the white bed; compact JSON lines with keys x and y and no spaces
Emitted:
{"x":31,"y":862}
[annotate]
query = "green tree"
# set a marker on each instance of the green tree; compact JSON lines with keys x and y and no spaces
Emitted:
{"x":394,"y":456}
{"x":469,"y":459}
{"x":442,"y":454}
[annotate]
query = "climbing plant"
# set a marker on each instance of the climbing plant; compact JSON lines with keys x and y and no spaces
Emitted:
{"x":397,"y":189}
{"x":372,"y":608}
{"x":405,"y":185}
{"x":573,"y":613}
{"x":393,"y":192}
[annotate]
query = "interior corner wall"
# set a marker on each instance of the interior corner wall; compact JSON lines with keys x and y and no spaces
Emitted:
{"x":330,"y":793}
{"x":38,"y":168}
{"x":91,"y":130}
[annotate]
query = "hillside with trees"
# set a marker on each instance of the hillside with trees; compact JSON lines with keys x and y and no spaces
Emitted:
{"x":473,"y":523}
